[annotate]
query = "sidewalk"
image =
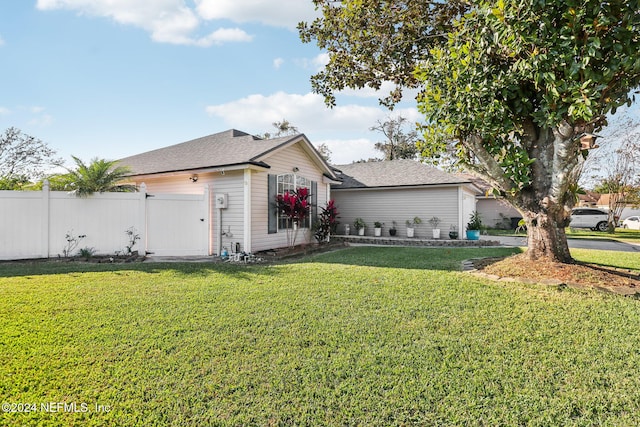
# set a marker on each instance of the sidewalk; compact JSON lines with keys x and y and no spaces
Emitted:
{"x":597,"y":244}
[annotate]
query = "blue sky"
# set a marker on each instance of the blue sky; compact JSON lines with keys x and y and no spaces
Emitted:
{"x":112,"y":78}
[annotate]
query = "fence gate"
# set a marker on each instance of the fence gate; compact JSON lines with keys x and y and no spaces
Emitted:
{"x":178,"y":224}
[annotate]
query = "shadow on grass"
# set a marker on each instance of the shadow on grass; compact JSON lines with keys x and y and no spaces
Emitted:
{"x":421,"y":258}
{"x":612,"y":269}
{"x":53,"y":267}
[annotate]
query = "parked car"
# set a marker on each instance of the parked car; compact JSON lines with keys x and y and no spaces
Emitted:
{"x":633,"y":223}
{"x":594,"y":219}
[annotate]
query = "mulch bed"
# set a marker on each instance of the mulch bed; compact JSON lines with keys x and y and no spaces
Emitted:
{"x":583,"y":274}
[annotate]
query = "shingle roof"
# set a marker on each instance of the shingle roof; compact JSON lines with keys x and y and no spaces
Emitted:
{"x":483,"y":185}
{"x":394,"y":173}
{"x":232,"y":147}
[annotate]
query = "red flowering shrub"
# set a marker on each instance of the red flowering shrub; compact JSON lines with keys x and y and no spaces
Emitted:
{"x":295,"y":207}
{"x":327,"y":222}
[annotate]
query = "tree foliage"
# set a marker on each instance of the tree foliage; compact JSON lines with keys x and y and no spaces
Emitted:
{"x":371,"y":42}
{"x":325,"y":152}
{"x":615,"y":167}
{"x":510,"y":88}
{"x":99,"y":175}
{"x":621,"y":179}
{"x":16,"y":182}
{"x":283,"y":128}
{"x":399,"y":144}
{"x":23,"y":157}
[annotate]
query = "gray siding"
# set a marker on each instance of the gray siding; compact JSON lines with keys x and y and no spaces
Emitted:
{"x":400,"y":205}
{"x":493,"y":211}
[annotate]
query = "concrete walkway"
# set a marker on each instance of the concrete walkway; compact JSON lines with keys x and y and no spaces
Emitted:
{"x":598,"y":244}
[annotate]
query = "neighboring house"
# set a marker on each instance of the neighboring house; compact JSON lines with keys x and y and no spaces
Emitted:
{"x":588,"y":200}
{"x":399,"y":190}
{"x":495,"y":212}
{"x":603,"y":202}
{"x":243,"y":173}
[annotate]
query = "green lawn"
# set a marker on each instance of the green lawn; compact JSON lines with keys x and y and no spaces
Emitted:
{"x":363,"y":336}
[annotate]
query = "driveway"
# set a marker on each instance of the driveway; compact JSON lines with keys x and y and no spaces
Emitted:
{"x":599,"y":244}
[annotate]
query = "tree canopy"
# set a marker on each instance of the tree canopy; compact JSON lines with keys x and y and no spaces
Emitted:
{"x":512,"y":87}
{"x":399,"y":143}
{"x":23,"y":157}
{"x":99,"y":175}
{"x":371,"y":42}
{"x":283,"y":128}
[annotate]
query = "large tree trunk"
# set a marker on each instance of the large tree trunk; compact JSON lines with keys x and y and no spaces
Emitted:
{"x":545,"y":201}
{"x":546,"y":204}
{"x":546,"y":238}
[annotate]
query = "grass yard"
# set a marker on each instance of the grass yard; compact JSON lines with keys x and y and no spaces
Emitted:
{"x":362,"y":336}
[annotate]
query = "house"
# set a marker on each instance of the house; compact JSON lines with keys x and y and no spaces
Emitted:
{"x":588,"y":200}
{"x":494,"y":211}
{"x":243,"y":174}
{"x":399,"y":190}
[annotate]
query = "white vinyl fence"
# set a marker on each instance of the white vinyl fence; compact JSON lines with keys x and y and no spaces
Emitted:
{"x":38,"y":224}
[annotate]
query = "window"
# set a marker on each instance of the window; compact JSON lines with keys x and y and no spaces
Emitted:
{"x":291,"y":182}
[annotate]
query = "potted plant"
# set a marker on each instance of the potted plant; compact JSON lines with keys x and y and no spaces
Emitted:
{"x":393,"y":230}
{"x":473,"y":226}
{"x":411,"y":226}
{"x":453,"y":232}
{"x":377,"y":228}
{"x":359,"y":225}
{"x":435,"y":221}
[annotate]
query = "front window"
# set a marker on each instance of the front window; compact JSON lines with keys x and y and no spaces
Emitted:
{"x":290,"y":182}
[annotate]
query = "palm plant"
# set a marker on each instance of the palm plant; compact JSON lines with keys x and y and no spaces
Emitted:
{"x":99,"y":175}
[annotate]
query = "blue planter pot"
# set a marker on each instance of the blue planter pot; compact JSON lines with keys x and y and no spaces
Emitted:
{"x":473,"y":234}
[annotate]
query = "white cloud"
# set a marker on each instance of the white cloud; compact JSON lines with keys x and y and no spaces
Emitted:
{"x":283,"y":13}
{"x":320,"y":61}
{"x":168,"y":21}
{"x":42,"y":120}
{"x":307,"y":112}
{"x":315,"y":64}
{"x":1,"y":41}
{"x":4,"y":111}
{"x":340,"y":128}
{"x":345,"y":151}
{"x":38,"y":116}
{"x":224,"y":35}
{"x":277,"y":63}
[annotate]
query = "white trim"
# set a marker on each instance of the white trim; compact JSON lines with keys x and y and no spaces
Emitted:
{"x":461,"y":218}
{"x":217,"y":169}
{"x":46,"y":194}
{"x":142,"y":219}
{"x":403,"y":187}
{"x":247,"y":212}
{"x":327,"y":180}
